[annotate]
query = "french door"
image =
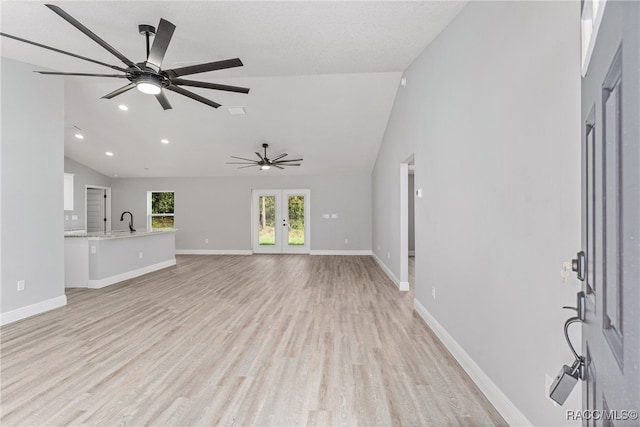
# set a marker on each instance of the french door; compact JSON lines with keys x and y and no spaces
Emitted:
{"x":611,"y":216}
{"x":280,"y":221}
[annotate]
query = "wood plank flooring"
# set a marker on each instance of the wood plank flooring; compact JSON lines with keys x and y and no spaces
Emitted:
{"x":282,"y":340}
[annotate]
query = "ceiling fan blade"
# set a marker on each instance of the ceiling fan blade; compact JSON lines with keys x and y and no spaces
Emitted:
{"x":210,"y":85}
{"x":279,"y":157}
{"x":242,"y":158}
{"x":55,"y":73}
{"x":64,"y":52}
{"x":276,"y":166}
{"x":203,"y":68}
{"x":70,"y":19}
{"x":117,"y":92}
{"x":241,"y":163}
{"x":244,"y":167}
{"x":290,"y":160}
{"x":289,"y":164}
{"x":259,"y":155}
{"x":160,"y":44}
{"x":192,"y":95}
{"x":162,"y":99}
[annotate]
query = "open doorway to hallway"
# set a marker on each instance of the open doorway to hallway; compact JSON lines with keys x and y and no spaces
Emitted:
{"x":407,"y":224}
{"x":411,"y":225}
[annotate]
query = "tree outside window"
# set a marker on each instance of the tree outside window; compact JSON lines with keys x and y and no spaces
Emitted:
{"x":161,"y":209}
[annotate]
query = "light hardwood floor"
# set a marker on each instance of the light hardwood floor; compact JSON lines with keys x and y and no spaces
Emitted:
{"x":237,"y":340}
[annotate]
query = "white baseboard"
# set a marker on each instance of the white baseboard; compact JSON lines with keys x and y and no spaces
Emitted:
{"x":32,"y":310}
{"x":214,"y":252}
{"x":402,"y":286}
{"x":498,"y":399}
{"x":101,"y":283}
{"x":332,"y":252}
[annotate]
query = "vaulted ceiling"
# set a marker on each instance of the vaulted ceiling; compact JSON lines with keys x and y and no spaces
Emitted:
{"x":323,"y":77}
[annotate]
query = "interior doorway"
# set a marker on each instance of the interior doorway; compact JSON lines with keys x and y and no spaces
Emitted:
{"x":280,"y":221}
{"x":407,"y":220}
{"x":97,"y":209}
{"x":412,"y":226}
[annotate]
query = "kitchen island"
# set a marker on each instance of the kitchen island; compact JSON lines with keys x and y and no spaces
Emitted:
{"x":96,"y":260}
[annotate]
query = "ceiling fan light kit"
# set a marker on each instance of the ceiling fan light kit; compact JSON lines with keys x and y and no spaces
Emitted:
{"x":264,"y":162}
{"x":147,"y":76}
{"x":148,"y":85}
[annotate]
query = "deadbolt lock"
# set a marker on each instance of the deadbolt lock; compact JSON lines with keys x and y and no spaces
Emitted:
{"x":578,"y":265}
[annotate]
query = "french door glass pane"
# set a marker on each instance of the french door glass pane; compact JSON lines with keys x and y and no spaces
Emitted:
{"x":296,"y":221}
{"x":267,"y":218}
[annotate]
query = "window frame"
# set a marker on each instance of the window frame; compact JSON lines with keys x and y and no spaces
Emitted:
{"x":151,"y":215}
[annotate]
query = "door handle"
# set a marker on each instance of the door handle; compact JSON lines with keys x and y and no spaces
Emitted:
{"x":569,"y":375}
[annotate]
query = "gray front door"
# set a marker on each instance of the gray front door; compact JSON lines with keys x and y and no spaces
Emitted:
{"x":611,"y":219}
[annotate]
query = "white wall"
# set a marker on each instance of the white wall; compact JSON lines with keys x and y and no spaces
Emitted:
{"x":83,"y":176}
{"x":491,"y":111}
{"x":219,"y":209}
{"x":32,"y":191}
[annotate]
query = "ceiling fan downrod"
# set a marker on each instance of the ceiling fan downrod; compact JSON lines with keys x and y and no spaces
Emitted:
{"x":146,"y":30}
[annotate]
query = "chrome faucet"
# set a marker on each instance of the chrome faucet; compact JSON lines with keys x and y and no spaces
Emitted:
{"x":130,"y":220}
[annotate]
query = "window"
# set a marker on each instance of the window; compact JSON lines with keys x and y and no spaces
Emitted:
{"x":160,"y":211}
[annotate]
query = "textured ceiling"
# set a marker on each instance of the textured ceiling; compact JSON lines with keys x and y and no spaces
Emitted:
{"x":323,"y":77}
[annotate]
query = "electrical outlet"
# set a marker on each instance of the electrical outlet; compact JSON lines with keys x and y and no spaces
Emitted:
{"x":346,"y":241}
{"x":20,"y":285}
{"x":206,"y":241}
{"x":140,"y":255}
{"x":433,"y":292}
{"x":74,"y":217}
{"x":66,"y":217}
{"x":93,"y":249}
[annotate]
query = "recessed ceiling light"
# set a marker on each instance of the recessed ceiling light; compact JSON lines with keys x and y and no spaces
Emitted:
{"x":109,"y":153}
{"x":79,"y":136}
{"x":235,"y":111}
{"x":123,"y":107}
{"x":164,"y":141}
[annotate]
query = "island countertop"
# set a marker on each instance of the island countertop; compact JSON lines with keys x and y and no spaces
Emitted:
{"x":96,"y":260}
{"x":114,"y":234}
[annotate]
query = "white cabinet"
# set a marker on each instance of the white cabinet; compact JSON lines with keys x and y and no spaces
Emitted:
{"x":68,"y":191}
